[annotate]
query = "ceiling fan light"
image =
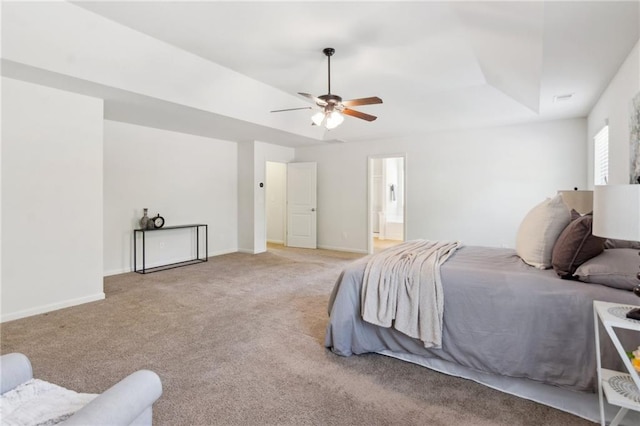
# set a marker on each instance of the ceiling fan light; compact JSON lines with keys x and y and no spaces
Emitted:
{"x":334,"y":119}
{"x":318,"y":118}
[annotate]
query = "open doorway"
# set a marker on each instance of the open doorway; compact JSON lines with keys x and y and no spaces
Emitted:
{"x":276,"y":203}
{"x":387,"y":218}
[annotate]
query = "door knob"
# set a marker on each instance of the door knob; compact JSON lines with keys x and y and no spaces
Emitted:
{"x":313,"y":209}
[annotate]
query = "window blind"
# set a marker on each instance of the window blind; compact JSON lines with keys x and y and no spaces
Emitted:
{"x":601,"y":157}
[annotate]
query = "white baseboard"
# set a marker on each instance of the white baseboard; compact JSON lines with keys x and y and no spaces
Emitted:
{"x":51,"y":307}
{"x":350,"y":250}
{"x":221,"y":252}
{"x":246,"y":251}
{"x":115,"y":272}
{"x":127,"y":270}
{"x":275,"y":241}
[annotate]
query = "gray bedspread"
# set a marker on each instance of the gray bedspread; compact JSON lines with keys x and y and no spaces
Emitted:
{"x":501,"y":316}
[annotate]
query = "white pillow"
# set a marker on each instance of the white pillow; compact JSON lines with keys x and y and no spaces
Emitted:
{"x":539,"y":231}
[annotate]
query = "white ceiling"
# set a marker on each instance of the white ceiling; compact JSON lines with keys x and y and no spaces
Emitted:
{"x":436,"y":65}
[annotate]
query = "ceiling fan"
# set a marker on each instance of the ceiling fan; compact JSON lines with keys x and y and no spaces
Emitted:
{"x":332,"y":107}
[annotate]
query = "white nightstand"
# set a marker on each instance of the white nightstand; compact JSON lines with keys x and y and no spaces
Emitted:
{"x":620,"y":389}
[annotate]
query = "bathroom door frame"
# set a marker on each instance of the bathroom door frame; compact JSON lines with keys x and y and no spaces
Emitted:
{"x":370,"y":196}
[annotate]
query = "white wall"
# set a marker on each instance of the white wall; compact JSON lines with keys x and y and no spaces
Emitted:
{"x":246,"y":202}
{"x":474,"y":185}
{"x":187,"y":179}
{"x":276,"y":196}
{"x":51,"y":199}
{"x":67,"y":39}
{"x":614,"y":107}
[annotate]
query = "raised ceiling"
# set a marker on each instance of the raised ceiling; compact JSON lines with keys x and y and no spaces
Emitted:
{"x":436,"y":65}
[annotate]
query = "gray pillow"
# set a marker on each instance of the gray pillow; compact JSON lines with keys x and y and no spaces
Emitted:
{"x":611,"y":244}
{"x":613,"y":267}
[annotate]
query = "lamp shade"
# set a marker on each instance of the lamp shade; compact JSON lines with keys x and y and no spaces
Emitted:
{"x":580,"y":201}
{"x":616,"y":212}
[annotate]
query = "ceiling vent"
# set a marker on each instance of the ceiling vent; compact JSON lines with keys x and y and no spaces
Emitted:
{"x":563,"y":98}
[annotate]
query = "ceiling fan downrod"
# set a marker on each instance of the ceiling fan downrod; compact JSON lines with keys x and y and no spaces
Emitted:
{"x":329,"y":51}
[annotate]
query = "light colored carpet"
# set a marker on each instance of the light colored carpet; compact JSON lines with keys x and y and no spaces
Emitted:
{"x":239,"y":341}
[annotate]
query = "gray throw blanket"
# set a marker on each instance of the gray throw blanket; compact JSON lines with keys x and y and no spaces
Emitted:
{"x":402,"y":287}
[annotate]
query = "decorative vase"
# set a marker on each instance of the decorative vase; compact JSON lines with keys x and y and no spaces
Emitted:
{"x":145,"y":221}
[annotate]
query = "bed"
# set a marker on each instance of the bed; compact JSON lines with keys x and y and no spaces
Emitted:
{"x":507,"y":324}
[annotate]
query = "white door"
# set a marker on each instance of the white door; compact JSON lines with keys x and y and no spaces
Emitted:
{"x":301,"y":205}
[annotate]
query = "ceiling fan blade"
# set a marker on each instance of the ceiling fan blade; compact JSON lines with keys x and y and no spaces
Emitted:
{"x":362,"y":101}
{"x":315,"y":99}
{"x":290,"y":109}
{"x":358,"y":114}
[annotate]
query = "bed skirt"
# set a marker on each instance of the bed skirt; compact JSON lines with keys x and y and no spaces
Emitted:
{"x":581,"y":404}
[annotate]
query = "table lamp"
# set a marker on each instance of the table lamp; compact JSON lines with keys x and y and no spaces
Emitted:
{"x":578,"y":200}
{"x":616,"y":215}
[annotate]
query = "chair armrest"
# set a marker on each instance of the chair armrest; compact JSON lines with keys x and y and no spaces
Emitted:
{"x":15,"y":369}
{"x":123,"y":403}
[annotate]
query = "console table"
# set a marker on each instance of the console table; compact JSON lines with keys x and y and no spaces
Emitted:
{"x":197,"y":259}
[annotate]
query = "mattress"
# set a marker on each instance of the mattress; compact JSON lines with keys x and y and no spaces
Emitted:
{"x":501,"y":317}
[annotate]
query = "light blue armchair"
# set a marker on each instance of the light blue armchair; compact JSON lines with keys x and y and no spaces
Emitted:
{"x":128,"y":402}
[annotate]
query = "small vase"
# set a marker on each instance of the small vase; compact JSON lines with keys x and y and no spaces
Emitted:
{"x":144,"y":221}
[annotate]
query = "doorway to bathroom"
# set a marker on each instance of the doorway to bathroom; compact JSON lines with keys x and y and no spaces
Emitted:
{"x":387,"y":201}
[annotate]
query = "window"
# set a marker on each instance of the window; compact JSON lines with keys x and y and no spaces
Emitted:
{"x":601,"y":157}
